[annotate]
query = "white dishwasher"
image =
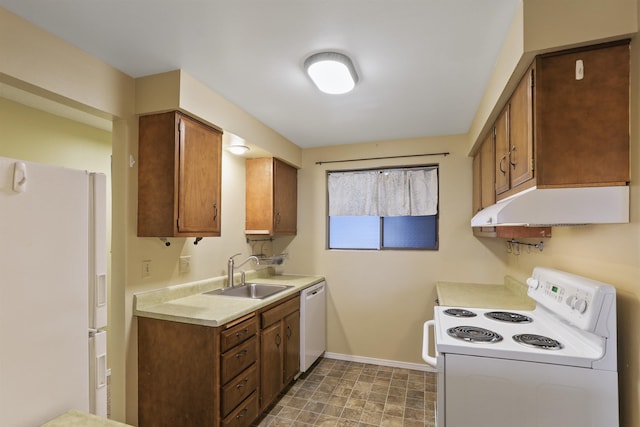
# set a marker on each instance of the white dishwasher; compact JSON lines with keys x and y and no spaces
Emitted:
{"x":313,"y":329}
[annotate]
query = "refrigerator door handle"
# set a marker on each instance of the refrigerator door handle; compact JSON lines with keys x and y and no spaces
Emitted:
{"x":19,"y":177}
{"x":101,"y":370}
{"x":101,"y":290}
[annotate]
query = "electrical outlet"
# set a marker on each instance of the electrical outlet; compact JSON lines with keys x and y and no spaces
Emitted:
{"x":146,"y":268}
{"x":184,"y":265}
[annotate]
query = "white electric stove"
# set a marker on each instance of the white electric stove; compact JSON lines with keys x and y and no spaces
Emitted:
{"x":552,"y":366}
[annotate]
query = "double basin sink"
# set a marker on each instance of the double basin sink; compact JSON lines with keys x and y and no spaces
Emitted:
{"x":250,"y":290}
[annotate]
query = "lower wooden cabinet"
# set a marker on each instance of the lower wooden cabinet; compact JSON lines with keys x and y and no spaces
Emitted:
{"x":193,"y":375}
{"x":280,"y":349}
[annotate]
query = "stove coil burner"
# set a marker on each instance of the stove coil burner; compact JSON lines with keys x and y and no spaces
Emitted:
{"x":505,"y":316}
{"x":538,"y":341}
{"x":474,"y":334}
{"x":459,"y":312}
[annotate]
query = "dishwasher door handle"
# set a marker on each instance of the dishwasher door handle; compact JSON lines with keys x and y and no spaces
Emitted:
{"x":425,"y":343}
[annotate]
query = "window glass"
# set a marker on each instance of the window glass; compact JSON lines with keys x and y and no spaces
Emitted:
{"x":354,"y":228}
{"x":415,"y":232}
{"x":354,"y":232}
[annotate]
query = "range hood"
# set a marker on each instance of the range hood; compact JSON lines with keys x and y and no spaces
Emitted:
{"x":558,"y":206}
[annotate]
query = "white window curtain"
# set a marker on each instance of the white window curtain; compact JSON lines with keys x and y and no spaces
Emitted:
{"x":393,"y":192}
{"x":353,"y":194}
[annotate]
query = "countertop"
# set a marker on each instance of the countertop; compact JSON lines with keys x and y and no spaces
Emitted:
{"x":187,"y":303}
{"x":82,"y":419}
{"x":508,"y":295}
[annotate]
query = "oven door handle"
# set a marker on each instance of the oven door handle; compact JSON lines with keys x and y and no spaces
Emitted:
{"x":425,"y":343}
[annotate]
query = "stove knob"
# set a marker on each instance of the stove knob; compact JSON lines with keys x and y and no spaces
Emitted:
{"x":533,"y":283}
{"x":570,"y":300}
{"x":580,"y":305}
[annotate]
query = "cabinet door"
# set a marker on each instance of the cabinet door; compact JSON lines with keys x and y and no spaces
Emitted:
{"x":199,"y":190}
{"x":521,"y":132}
{"x":285,"y":198}
{"x":476,"y":200}
{"x":292,"y":349}
{"x":487,"y":173}
{"x":582,"y":119}
{"x":502,"y":174}
{"x":271,"y":351}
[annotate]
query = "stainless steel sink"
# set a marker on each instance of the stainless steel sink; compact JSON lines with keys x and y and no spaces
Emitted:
{"x":250,"y":290}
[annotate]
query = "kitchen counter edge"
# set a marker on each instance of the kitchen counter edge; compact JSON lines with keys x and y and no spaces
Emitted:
{"x":511,"y":294}
{"x":81,"y":419}
{"x":187,"y":303}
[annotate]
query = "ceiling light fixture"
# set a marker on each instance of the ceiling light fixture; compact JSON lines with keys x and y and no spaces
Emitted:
{"x":237,"y":146}
{"x":332,"y":72}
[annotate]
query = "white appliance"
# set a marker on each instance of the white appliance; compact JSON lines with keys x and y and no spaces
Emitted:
{"x":558,"y":206}
{"x":553,"y":366}
{"x":313,"y":332}
{"x":52,"y":270}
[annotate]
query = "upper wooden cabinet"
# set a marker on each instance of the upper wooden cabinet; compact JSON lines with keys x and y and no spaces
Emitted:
{"x":582,"y":117}
{"x":484,"y":193}
{"x":514,"y":138}
{"x":485,"y":187}
{"x":271,"y":197}
{"x":567,"y":122}
{"x":179,"y":174}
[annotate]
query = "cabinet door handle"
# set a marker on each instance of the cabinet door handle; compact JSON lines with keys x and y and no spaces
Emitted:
{"x":288,"y":331}
{"x":512,"y":157}
{"x":242,"y":414}
{"x":242,"y":383}
{"x":241,"y":354}
{"x":278,"y":340}
{"x":277,"y":218}
{"x":504,"y":172}
{"x":215,"y":211}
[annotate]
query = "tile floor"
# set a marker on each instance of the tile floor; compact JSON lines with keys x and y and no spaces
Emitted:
{"x":339,"y":393}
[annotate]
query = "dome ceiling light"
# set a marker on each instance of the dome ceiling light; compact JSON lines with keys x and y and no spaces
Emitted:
{"x":332,"y":72}
{"x":237,"y":146}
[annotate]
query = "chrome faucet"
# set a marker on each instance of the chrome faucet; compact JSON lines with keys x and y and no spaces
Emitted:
{"x":231,"y":267}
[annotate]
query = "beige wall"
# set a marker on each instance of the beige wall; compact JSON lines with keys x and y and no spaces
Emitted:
{"x":378,"y":300}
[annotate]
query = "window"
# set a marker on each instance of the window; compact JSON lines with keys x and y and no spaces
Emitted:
{"x":383,"y":209}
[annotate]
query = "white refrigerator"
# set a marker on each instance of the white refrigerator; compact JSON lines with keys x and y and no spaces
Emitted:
{"x":53,"y":292}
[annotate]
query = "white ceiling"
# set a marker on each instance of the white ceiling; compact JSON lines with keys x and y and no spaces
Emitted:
{"x":423,"y":64}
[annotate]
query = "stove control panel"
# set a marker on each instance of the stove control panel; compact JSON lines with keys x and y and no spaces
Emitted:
{"x":576,"y":299}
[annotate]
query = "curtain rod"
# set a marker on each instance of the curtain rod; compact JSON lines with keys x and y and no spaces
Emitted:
{"x":446,"y":153}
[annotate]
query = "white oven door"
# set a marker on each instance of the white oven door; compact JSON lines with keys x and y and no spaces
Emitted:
{"x":490,"y":392}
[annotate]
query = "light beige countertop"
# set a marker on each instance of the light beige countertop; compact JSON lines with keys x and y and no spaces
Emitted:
{"x":187,"y":302}
{"x":508,"y":295}
{"x":82,"y":419}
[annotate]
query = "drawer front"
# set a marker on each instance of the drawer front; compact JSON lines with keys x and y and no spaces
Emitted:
{"x":238,"y":333}
{"x":243,"y":415}
{"x":238,"y":359}
{"x":239,"y":388}
{"x":279,"y":312}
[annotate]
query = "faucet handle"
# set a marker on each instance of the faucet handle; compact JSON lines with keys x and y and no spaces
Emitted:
{"x":233,"y":256}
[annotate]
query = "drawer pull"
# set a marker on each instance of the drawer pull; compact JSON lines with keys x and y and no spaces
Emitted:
{"x":242,"y":332}
{"x":241,"y":354}
{"x":242,"y":383}
{"x":242,"y":414}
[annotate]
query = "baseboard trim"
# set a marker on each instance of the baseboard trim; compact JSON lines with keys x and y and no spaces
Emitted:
{"x":382,"y":362}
